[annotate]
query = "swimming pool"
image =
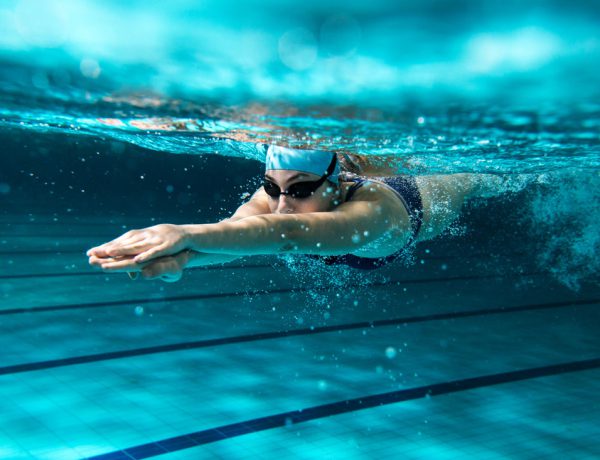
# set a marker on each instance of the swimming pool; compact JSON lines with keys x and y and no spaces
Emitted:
{"x":484,"y":343}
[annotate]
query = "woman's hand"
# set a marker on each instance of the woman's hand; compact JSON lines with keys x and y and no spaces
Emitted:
{"x":167,"y":268}
{"x":145,"y":244}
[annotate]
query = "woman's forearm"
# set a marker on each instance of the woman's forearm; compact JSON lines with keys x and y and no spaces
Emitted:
{"x":250,"y":236}
{"x":323,"y":233}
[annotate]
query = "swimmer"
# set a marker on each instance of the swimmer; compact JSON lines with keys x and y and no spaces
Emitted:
{"x":309,"y":204}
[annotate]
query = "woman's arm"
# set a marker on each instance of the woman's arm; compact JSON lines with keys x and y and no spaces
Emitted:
{"x":344,"y":230}
{"x":255,"y":206}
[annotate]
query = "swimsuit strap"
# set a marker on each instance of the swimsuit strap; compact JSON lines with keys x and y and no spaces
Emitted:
{"x":358,"y":183}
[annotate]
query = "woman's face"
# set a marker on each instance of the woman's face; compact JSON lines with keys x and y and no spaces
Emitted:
{"x":324,"y":198}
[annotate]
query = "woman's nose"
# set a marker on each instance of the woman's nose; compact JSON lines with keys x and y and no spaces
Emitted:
{"x":284,"y":205}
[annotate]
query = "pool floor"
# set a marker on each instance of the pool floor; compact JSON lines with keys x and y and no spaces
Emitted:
{"x":458,"y":356}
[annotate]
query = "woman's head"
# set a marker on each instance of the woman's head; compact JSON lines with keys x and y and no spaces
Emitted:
{"x":299,"y":181}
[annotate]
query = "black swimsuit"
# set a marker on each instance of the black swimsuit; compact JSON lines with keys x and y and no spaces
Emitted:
{"x":408,"y":192}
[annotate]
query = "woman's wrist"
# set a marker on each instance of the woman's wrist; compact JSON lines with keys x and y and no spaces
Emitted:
{"x":199,"y":237}
{"x":189,"y":232}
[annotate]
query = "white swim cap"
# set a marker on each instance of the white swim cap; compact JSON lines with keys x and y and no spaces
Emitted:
{"x":309,"y":161}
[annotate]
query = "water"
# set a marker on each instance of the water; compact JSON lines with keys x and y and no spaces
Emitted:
{"x":118,"y":116}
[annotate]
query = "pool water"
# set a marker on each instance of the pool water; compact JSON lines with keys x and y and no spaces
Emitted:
{"x":483,"y":343}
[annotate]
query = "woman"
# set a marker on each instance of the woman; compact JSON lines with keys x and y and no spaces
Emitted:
{"x":305,"y":206}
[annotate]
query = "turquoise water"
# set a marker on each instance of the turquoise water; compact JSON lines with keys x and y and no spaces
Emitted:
{"x":483,"y":343}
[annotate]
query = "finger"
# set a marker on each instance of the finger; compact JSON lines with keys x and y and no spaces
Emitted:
{"x":96,"y":251}
{"x":124,"y":235}
{"x":93,"y":260}
{"x":124,"y":265}
{"x":125,"y":242}
{"x":132,"y":249}
{"x":100,"y":251}
{"x":152,"y":253}
{"x":125,"y":238}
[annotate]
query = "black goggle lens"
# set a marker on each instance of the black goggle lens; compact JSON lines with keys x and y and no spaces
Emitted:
{"x":297,"y":190}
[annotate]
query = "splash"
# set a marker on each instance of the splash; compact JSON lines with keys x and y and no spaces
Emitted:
{"x":327,"y":284}
{"x":564,"y":218}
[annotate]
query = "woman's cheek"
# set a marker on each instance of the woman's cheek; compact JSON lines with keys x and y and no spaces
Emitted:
{"x":314,"y":205}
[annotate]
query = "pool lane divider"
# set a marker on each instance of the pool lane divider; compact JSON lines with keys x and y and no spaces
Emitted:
{"x":289,"y":419}
{"x":85,"y":359}
{"x":254,"y":292}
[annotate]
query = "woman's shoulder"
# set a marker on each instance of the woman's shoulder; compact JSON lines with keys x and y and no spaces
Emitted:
{"x":350,"y":185}
{"x":364,"y":188}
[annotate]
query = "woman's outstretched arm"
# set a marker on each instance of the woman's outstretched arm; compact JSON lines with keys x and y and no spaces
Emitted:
{"x":103,"y":256}
{"x":344,"y":230}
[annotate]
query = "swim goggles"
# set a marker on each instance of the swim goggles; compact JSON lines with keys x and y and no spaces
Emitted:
{"x":299,"y":189}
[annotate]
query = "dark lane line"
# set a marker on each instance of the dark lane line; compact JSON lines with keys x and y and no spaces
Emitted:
{"x":233,"y":430}
{"x":14,"y":311}
{"x":40,"y":365}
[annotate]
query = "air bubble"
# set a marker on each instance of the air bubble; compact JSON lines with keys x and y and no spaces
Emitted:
{"x":390,"y":352}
